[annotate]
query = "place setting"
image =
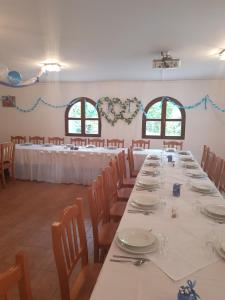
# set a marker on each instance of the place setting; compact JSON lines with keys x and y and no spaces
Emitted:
{"x":152,"y":163}
{"x":204,"y":188}
{"x":144,"y":204}
{"x":150,"y":171}
{"x":199,"y":174}
{"x":147,"y":184}
{"x":153,"y":157}
{"x":190,"y":165}
{"x":215,"y":212}
{"x":137,"y":241}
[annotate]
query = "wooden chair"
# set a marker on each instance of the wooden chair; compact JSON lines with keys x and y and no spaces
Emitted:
{"x":78,"y":141}
{"x":115,"y":142}
{"x":114,"y":208}
{"x":222,"y":179}
{"x":141,"y":143}
{"x":204,"y":155}
{"x":103,"y":230}
{"x":18,"y":139}
{"x":96,"y":142}
{"x":16,"y":276}
{"x":36,"y":139}
{"x":216,"y":171}
{"x":122,"y":193}
{"x":124,"y":181}
{"x":133,"y":172}
{"x":7,"y":160}
{"x":70,"y":249}
{"x":56,"y":140}
{"x":173,"y":144}
{"x":209,"y":162}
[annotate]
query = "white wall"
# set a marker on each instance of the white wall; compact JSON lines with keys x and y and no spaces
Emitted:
{"x":202,"y":126}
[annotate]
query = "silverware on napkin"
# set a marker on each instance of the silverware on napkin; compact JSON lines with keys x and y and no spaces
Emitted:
{"x":132,"y":257}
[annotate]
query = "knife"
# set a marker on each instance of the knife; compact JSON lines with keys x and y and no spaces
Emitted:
{"x":131,"y":257}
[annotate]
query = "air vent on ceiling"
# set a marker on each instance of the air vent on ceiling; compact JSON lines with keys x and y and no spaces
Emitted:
{"x":166,"y":62}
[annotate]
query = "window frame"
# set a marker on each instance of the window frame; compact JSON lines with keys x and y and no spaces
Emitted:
{"x":163,"y":120}
{"x":82,"y":118}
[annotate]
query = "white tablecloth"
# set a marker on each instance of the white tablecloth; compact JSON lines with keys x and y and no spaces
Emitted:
{"x":186,"y":255}
{"x":61,"y":165}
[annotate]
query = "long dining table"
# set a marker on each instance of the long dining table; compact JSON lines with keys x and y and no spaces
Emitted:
{"x":60,"y":164}
{"x":186,"y":242}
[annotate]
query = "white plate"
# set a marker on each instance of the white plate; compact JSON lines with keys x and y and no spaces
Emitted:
{"x":216,"y":209}
{"x":47,"y":145}
{"x":138,"y":149}
{"x":184,"y":153}
{"x":202,"y":187}
{"x":26,"y":144}
{"x":90,"y":146}
{"x":196,"y":174}
{"x":153,"y":157}
{"x":144,"y":250}
{"x":190,"y":165}
{"x":136,"y":237}
{"x":148,"y":182}
{"x":146,"y":201}
{"x":152,"y":163}
{"x":213,"y":217}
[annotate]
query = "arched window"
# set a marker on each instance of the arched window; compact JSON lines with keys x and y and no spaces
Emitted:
{"x":82,"y":118}
{"x":163,"y":120}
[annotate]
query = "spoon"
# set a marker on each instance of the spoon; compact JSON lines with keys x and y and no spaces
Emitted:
{"x":137,"y":263}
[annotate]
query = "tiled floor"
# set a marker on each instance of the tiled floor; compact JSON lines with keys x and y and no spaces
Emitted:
{"x":27,"y":210}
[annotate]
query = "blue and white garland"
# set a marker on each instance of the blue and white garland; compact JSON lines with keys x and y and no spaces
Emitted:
{"x":204,"y":101}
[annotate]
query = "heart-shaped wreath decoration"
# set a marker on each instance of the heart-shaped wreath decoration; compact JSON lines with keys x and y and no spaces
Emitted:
{"x":114,"y":109}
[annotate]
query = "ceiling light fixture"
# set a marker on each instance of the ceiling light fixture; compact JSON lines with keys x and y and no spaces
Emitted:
{"x":222,"y":54}
{"x":51,"y":67}
{"x":166,"y":62}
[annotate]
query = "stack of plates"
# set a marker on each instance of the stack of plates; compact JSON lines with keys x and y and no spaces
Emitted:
{"x":171,"y":150}
{"x":145,"y":202}
{"x":187,"y":158}
{"x":138,"y":148}
{"x":151,"y":171}
{"x":215,"y":212}
{"x":196,"y":174}
{"x":184,"y":153}
{"x":190,"y":165}
{"x":137,"y":240}
{"x":153,"y":157}
{"x":220,"y":248}
{"x":203,"y":187}
{"x":152,"y":163}
{"x":148,"y":183}
{"x":26,"y":144}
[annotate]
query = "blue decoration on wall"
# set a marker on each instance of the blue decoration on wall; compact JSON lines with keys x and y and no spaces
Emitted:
{"x":14,"y":77}
{"x":204,"y":101}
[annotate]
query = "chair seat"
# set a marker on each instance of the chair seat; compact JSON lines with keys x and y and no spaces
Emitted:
{"x":85,"y":282}
{"x":124,"y":194}
{"x":128,"y":182}
{"x":106,"y":234}
{"x":117,"y":210}
{"x":134,"y":173}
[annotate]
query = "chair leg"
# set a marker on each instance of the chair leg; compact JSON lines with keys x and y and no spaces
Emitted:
{"x":3,"y":179}
{"x":96,"y":254}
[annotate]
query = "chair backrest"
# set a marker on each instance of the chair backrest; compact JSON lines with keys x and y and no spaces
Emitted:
{"x":78,"y":141}
{"x":204,"y":155}
{"x":209,"y":162}
{"x":222,"y":179}
{"x":18,"y":139}
{"x":115,"y":142}
{"x":141,"y":143}
{"x":130,"y":160}
{"x":97,"y":142}
{"x":56,"y":140}
{"x":16,"y":276}
{"x":97,"y":209}
{"x":173,"y":144}
{"x":217,"y":170}
{"x":69,"y":245}
{"x":7,"y":152}
{"x":36,"y":139}
{"x":122,"y":163}
{"x":110,"y":193}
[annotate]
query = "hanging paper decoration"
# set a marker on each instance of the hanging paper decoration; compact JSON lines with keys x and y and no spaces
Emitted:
{"x":14,"y":78}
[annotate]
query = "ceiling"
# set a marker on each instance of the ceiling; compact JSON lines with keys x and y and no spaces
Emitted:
{"x":113,"y":40}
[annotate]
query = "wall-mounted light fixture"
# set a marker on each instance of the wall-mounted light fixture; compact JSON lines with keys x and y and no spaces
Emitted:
{"x":222,"y":54}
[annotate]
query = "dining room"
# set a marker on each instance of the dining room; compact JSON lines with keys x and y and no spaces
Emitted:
{"x":112,"y":155}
